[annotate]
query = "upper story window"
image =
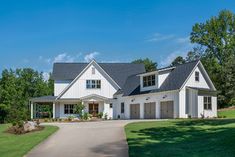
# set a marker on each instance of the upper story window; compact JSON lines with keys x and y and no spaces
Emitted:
{"x":149,"y":81}
{"x":93,"y":84}
{"x":207,"y":103}
{"x":93,"y":70}
{"x":197,"y":76}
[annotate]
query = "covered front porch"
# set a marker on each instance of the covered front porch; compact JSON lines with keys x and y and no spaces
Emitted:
{"x":63,"y":108}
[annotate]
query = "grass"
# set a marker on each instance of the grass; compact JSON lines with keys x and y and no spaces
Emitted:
{"x":182,"y":138}
{"x":18,"y":145}
{"x":227,"y":113}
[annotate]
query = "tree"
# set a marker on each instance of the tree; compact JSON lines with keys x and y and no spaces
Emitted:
{"x":217,"y":38}
{"x":178,"y":60}
{"x":149,"y":64}
{"x":16,"y":88}
{"x":195,"y":54}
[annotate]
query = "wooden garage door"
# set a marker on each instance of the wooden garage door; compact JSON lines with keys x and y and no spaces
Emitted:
{"x":150,"y":110}
{"x":167,"y":109}
{"x":134,"y":111}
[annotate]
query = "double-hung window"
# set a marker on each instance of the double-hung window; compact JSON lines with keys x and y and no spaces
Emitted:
{"x":207,"y":103}
{"x":68,"y":108}
{"x":93,"y":84}
{"x":149,"y":81}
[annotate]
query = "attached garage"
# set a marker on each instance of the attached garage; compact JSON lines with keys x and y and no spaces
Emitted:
{"x":134,"y":111}
{"x":150,"y":110}
{"x":167,"y":109}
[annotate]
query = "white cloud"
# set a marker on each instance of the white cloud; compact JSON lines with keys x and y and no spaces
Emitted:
{"x":91,"y":56}
{"x":64,"y":57}
{"x":46,"y":76}
{"x":157,"y":37}
{"x":183,"y":40}
{"x":182,"y":51}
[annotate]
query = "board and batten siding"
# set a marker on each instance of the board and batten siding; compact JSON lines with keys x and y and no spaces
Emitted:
{"x":191,"y":83}
{"x":145,"y":98}
{"x":60,"y":85}
{"x":78,"y":89}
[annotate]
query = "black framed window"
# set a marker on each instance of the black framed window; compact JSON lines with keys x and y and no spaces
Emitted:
{"x":149,"y":81}
{"x":197,"y":76}
{"x":68,"y":108}
{"x":207,"y":103}
{"x":122,"y":107}
{"x":93,"y":84}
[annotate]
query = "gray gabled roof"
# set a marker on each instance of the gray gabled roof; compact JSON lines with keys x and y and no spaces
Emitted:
{"x":174,"y":81}
{"x":117,"y":71}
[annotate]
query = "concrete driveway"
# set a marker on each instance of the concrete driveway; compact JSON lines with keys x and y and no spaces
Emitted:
{"x":86,"y":139}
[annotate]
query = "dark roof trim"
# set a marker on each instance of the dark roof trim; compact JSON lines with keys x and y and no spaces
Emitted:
{"x":43,"y":99}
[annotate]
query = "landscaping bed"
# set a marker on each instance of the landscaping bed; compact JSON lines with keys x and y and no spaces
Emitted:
{"x":180,"y":138}
{"x":12,"y":145}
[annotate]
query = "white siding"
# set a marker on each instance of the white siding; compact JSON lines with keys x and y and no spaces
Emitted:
{"x":78,"y":89}
{"x":162,"y":77}
{"x":202,"y":82}
{"x":207,"y":113}
{"x":59,"y":86}
{"x":141,"y":99}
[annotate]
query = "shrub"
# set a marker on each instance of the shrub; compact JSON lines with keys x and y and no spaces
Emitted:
{"x":70,"y":118}
{"x":106,"y":116}
{"x":78,"y":109}
{"x":100,"y":115}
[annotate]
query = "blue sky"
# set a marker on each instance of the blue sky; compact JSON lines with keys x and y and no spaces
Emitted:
{"x":37,"y":33}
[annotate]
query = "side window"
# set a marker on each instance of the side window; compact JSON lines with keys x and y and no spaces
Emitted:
{"x":122,"y":107}
{"x":207,"y":103}
{"x":197,"y":76}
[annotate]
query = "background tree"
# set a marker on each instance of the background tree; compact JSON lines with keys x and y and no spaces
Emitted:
{"x":149,"y":64}
{"x":217,"y":37}
{"x":178,"y":60}
{"x":16,"y":88}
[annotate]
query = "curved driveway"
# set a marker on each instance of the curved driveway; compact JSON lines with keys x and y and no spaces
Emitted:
{"x":85,"y":139}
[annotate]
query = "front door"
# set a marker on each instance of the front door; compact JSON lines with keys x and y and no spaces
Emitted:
{"x":94,"y":109}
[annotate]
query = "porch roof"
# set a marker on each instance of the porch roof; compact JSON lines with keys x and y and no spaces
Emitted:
{"x":94,"y":96}
{"x":44,"y":99}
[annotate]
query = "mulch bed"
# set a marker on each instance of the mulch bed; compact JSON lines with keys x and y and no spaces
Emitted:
{"x":20,"y":130}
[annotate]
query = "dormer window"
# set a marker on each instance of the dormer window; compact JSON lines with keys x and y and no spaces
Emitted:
{"x":149,"y":81}
{"x":197,"y":76}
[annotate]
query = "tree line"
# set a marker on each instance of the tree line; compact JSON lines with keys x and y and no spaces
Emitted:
{"x":16,"y":88}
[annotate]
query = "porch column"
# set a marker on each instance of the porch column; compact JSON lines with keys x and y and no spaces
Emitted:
{"x":53,"y":111}
{"x":31,"y":109}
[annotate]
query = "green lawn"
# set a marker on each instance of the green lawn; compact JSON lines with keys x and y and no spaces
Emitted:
{"x":18,"y":145}
{"x":182,"y":138}
{"x":227,"y":113}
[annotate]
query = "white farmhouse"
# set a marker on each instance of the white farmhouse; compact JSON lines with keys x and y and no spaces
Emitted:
{"x":127,"y":91}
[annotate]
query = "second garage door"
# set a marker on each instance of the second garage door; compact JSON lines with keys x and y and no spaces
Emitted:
{"x":150,"y":110}
{"x":167,"y":109}
{"x":135,"y":111}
